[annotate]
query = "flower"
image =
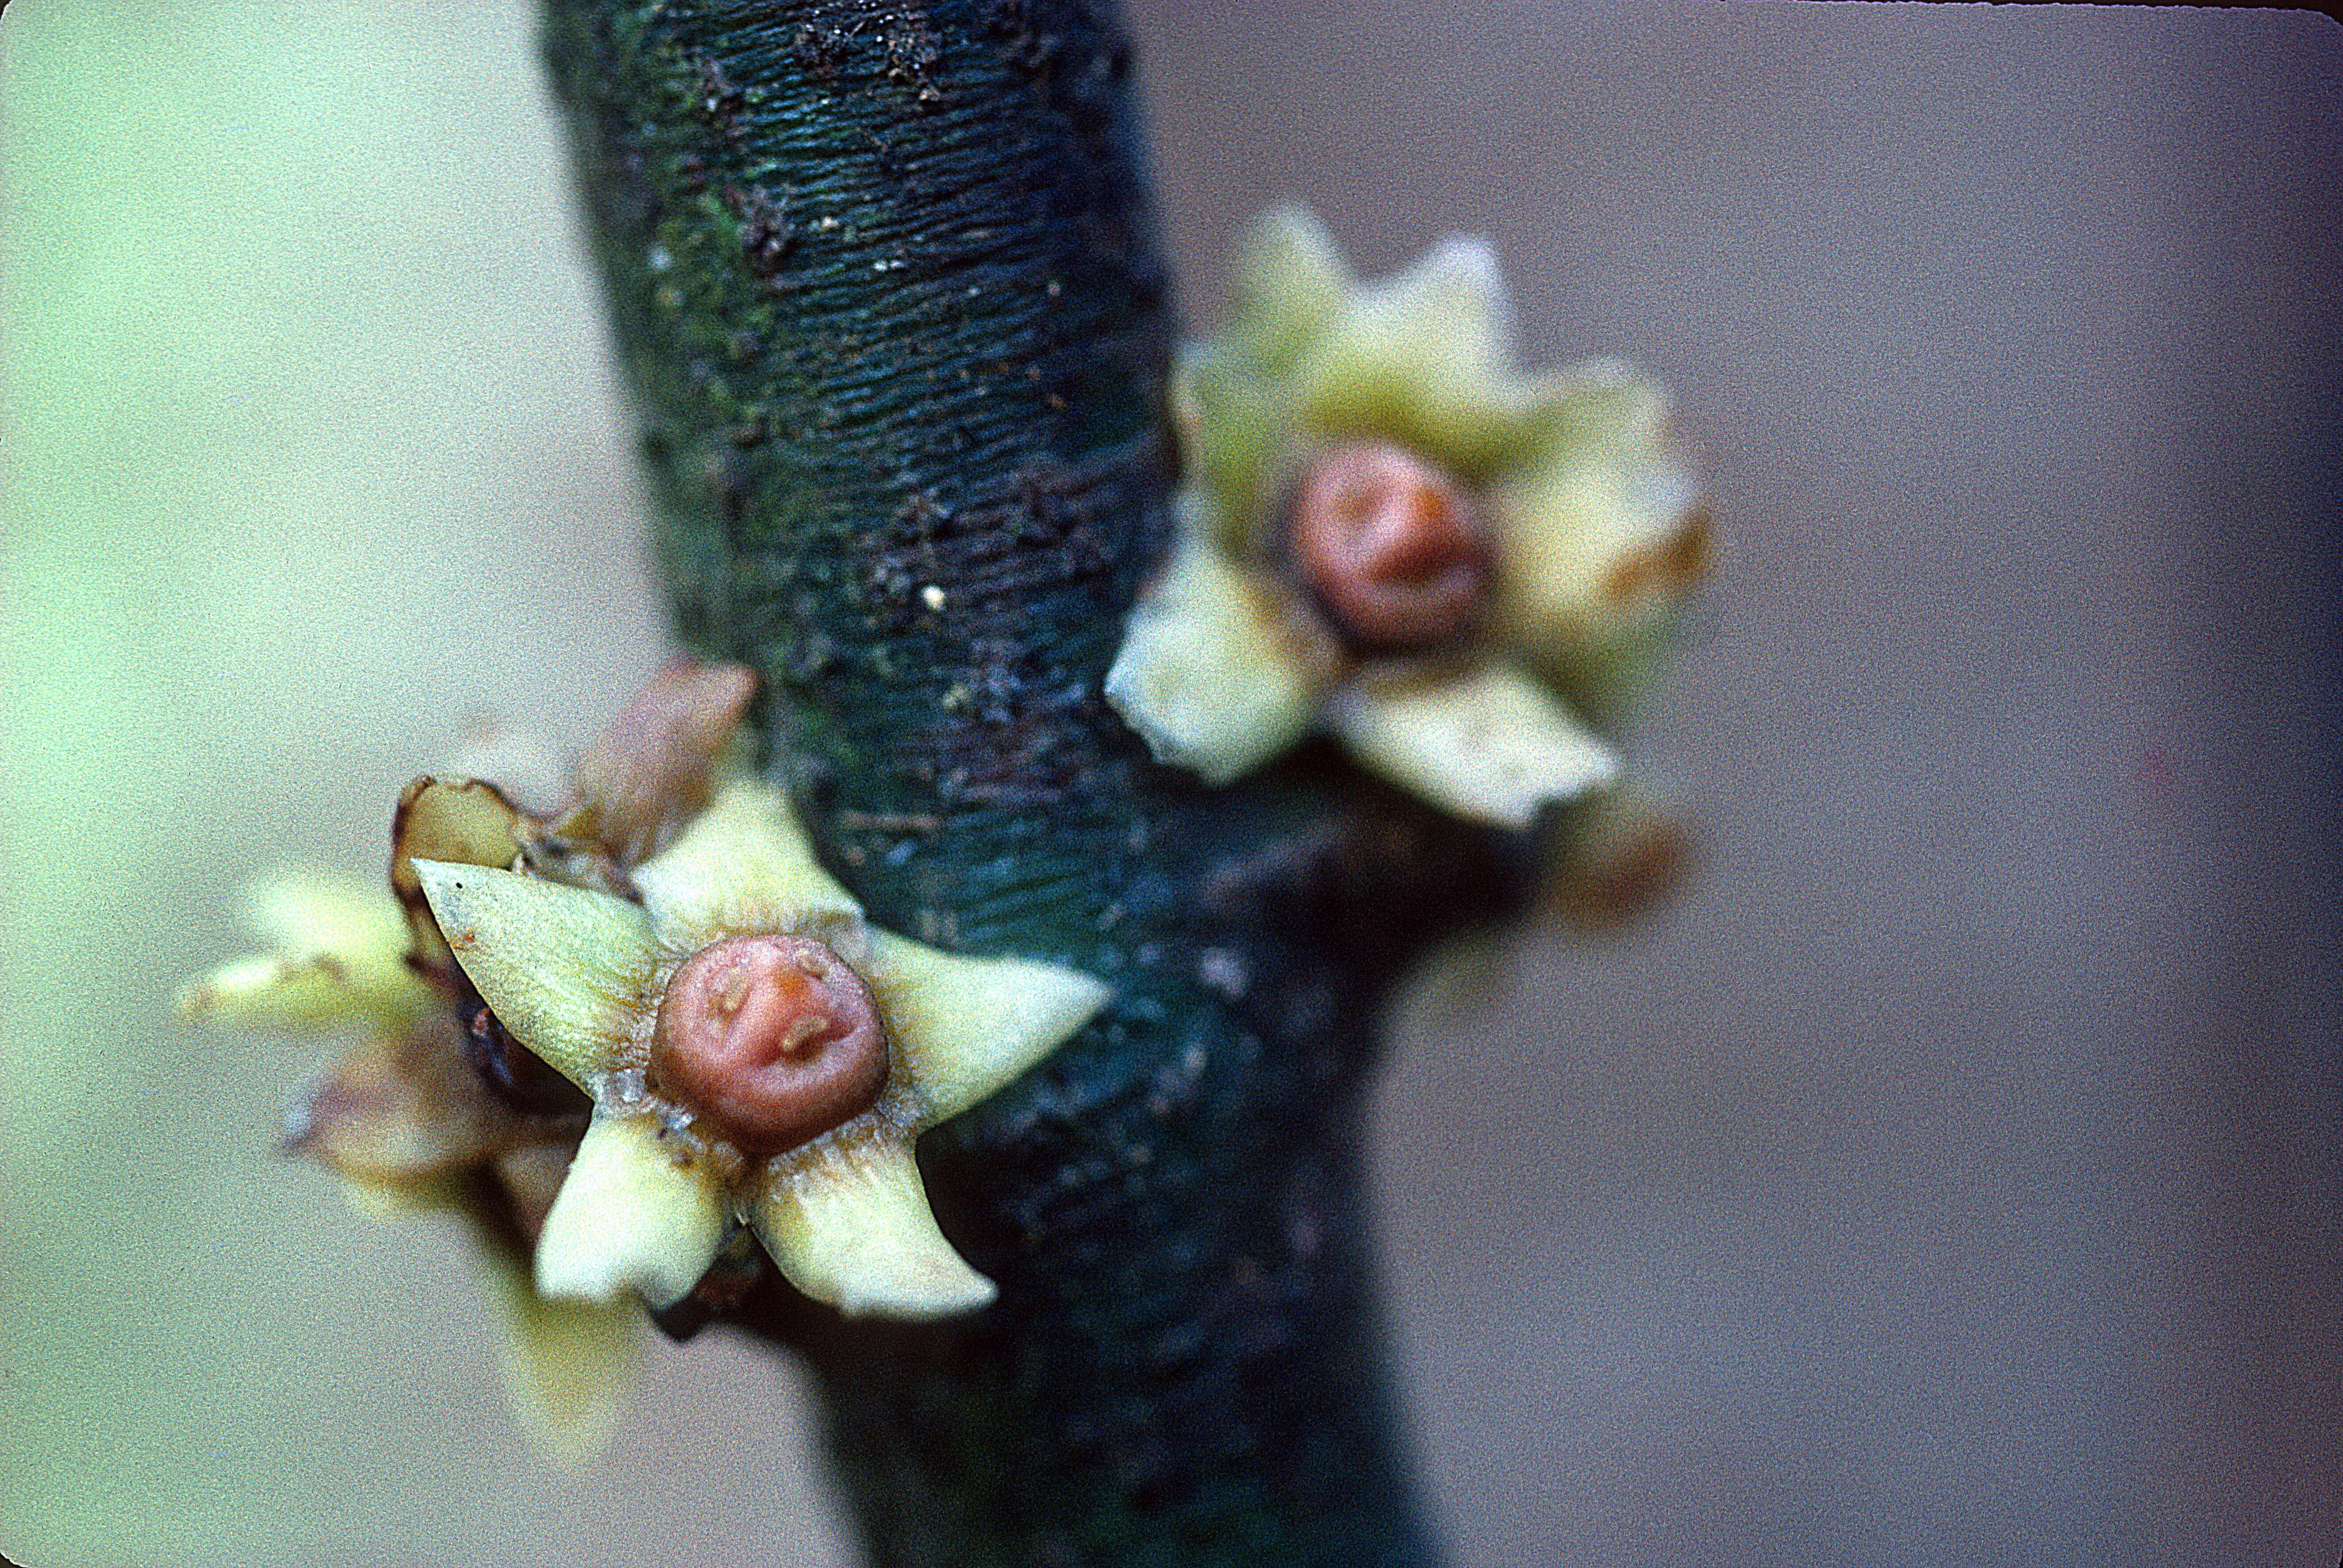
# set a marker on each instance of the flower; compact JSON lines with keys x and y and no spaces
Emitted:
{"x":1391,"y":534}
{"x":408,"y":1125}
{"x":754,"y":1048}
{"x":437,"y":1109}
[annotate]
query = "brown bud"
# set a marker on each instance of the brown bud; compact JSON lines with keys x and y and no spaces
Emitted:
{"x":772,"y":1038}
{"x":652,"y":769}
{"x":1389,"y":545}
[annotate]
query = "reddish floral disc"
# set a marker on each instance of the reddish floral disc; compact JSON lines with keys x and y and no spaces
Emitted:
{"x":771,"y":1038}
{"x":1389,"y":545}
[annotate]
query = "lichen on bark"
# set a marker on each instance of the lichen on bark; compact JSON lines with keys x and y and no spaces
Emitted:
{"x":886,"y":291}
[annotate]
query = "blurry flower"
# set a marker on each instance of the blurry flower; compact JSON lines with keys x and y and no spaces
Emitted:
{"x":1390,"y":533}
{"x":753,"y":1047}
{"x":435,"y":1108}
{"x":406,"y":1123}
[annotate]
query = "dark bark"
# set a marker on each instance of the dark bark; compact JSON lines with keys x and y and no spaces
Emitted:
{"x":887,"y":292}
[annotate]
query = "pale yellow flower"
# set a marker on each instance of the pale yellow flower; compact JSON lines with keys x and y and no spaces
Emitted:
{"x":1538,"y":530}
{"x":697,"y":1018}
{"x":405,"y":1118}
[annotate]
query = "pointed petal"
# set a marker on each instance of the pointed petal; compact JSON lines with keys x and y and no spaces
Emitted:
{"x":464,"y":821}
{"x":1601,"y":406}
{"x":629,"y":1217}
{"x":305,"y":914}
{"x":1423,"y":359}
{"x":1595,"y":549}
{"x":744,"y":865}
{"x":1231,"y":427}
{"x":1288,"y":282}
{"x":964,"y":1027}
{"x":1449,"y":312}
{"x":265,"y":992}
{"x":851,"y":1226}
{"x":1218,"y":671}
{"x":566,"y":971}
{"x":1599,"y":534}
{"x":339,"y":957}
{"x":1606,"y":681}
{"x":1489,"y":745}
{"x":567,"y":1366}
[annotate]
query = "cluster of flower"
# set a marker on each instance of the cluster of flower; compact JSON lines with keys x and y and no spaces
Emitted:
{"x":622,"y":1033}
{"x":1389,"y":533}
{"x":752,"y":1051}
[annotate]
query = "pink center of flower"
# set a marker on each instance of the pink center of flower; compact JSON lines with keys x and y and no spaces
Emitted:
{"x":1389,"y":545}
{"x":771,"y":1038}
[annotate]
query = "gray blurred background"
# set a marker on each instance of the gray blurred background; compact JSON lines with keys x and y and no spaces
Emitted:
{"x":1949,"y":1176}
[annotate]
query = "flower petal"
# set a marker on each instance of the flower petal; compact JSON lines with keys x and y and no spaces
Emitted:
{"x":567,"y":1365}
{"x":1231,"y":429}
{"x":1599,"y":406}
{"x":565,"y":970}
{"x":850,"y":1225}
{"x":1490,"y":744}
{"x":964,"y":1027}
{"x":1599,"y":533}
{"x":1288,"y":283}
{"x":265,"y":992}
{"x":652,"y":771}
{"x":1423,"y":359}
{"x":1219,"y":672}
{"x":340,"y":957}
{"x":629,"y":1217}
{"x":744,"y":865}
{"x":303,"y":914}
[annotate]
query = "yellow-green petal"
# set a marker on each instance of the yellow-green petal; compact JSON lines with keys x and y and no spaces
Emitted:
{"x":1593,"y":550}
{"x":963,"y":1027}
{"x":743,"y":865}
{"x":567,"y":1366}
{"x":849,"y":1224}
{"x":1289,"y":282}
{"x":337,"y":956}
{"x":1598,"y":534}
{"x":265,"y":991}
{"x":1425,"y":359}
{"x":630,"y":1217}
{"x":350,"y":919}
{"x":1603,"y":405}
{"x":1489,"y":744}
{"x":565,"y":970}
{"x":1218,"y":671}
{"x":1231,"y":430}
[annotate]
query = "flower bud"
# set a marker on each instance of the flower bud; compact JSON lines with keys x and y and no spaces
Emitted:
{"x":772,"y":1038}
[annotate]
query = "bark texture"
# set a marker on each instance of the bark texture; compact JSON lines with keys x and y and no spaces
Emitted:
{"x":885,"y":284}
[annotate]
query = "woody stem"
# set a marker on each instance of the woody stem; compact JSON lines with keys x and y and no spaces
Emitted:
{"x":885,"y":285}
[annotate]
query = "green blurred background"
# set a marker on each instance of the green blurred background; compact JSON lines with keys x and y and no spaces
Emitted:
{"x":1951,"y":1178}
{"x":314,"y":457}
